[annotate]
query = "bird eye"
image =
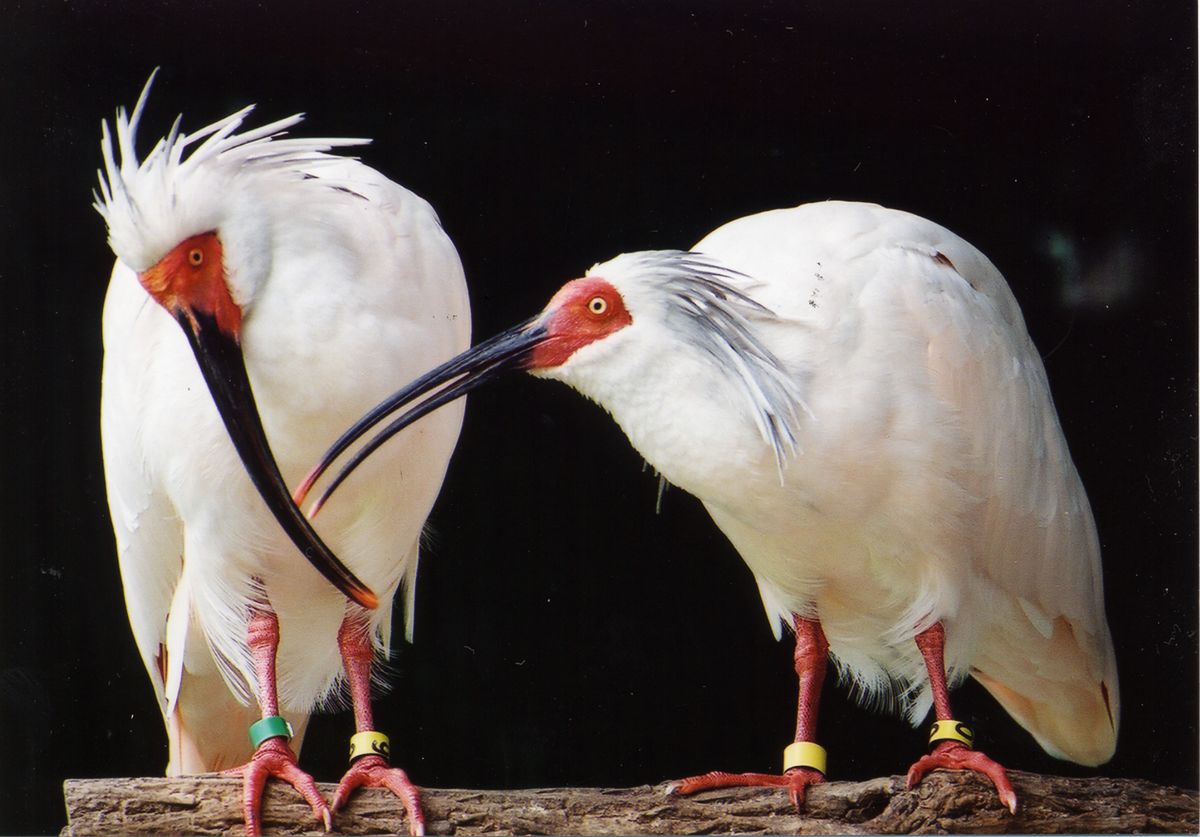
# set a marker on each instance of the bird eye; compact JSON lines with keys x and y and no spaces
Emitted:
{"x":598,"y":305}
{"x":195,"y":257}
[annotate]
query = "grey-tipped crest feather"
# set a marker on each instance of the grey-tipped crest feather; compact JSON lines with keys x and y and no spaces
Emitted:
{"x":708,"y":305}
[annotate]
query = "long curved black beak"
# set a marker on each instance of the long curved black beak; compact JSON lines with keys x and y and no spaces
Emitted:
{"x":224,"y":369}
{"x":473,"y":368}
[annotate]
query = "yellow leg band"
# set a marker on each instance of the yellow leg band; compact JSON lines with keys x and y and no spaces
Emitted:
{"x":370,"y":744}
{"x":952,"y":731}
{"x":804,"y":754}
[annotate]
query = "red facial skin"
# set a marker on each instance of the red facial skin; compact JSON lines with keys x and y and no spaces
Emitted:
{"x":192,"y":278}
{"x":583,"y":311}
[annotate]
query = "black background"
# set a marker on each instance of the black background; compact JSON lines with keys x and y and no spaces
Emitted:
{"x":567,"y":634}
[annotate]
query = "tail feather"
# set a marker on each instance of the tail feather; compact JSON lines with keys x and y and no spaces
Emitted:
{"x":1061,"y":687}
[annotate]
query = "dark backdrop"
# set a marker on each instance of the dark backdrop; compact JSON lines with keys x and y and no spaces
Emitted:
{"x":567,"y":634}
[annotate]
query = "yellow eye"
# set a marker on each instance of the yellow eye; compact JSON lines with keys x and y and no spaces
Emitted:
{"x":195,"y":257}
{"x":597,"y":305}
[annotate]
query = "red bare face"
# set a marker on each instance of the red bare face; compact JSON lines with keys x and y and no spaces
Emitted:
{"x":583,"y":311}
{"x":192,"y":278}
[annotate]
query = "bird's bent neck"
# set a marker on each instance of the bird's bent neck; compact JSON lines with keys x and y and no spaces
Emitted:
{"x":670,"y":404}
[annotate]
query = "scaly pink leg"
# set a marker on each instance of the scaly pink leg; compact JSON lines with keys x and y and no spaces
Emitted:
{"x":811,"y":658}
{"x":371,"y":770}
{"x":951,"y":755}
{"x":273,"y":757}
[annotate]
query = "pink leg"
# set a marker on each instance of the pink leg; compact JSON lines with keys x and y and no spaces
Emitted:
{"x":370,"y":770}
{"x":273,"y":757}
{"x":811,"y":658}
{"x":951,"y":755}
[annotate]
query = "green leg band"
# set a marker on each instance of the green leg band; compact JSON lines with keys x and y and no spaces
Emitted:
{"x":272,"y":726}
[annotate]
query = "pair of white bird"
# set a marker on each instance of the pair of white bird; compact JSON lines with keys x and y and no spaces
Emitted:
{"x":850,"y":390}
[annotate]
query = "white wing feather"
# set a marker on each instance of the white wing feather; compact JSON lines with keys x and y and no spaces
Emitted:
{"x":1044,"y":648}
{"x":148,"y":532}
{"x":968,"y":506}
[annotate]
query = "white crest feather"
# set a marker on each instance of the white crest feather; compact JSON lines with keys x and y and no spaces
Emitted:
{"x":708,"y":304}
{"x":152,"y":205}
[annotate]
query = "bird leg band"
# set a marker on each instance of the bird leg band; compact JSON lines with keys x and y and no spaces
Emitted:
{"x":370,"y":743}
{"x":272,"y":726}
{"x":804,"y":754}
{"x":952,"y":731}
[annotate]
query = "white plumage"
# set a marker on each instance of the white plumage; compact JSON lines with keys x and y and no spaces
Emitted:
{"x":931,"y":479}
{"x":852,"y":393}
{"x":342,"y":278}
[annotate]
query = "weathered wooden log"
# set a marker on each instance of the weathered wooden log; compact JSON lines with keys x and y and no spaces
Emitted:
{"x":944,"y":802}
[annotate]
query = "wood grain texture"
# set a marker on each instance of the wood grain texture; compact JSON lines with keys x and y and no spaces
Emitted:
{"x":944,"y":803}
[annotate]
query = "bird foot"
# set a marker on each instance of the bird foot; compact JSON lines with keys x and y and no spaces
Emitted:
{"x":275,"y":758}
{"x":797,"y":781}
{"x":372,"y":771}
{"x":950,"y":755}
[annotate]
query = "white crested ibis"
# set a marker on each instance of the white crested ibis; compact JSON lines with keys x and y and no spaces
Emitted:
{"x":852,"y":394}
{"x":265,"y":289}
